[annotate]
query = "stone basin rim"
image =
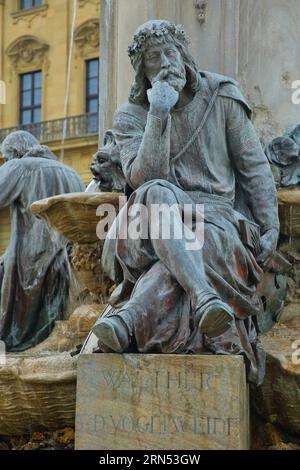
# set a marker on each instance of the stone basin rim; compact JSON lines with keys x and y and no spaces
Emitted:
{"x":288,"y":196}
{"x":91,"y":199}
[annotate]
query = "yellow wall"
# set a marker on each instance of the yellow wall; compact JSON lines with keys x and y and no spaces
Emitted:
{"x":50,"y":26}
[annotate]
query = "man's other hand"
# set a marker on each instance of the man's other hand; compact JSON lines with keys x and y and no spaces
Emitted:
{"x":268,"y":245}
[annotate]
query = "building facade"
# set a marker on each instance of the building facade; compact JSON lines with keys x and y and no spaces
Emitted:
{"x":50,"y":72}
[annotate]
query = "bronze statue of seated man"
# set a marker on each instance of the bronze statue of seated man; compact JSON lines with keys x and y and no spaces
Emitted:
{"x":185,"y":138}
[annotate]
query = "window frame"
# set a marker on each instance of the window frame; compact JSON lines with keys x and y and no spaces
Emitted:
{"x":32,"y":107}
{"x":22,"y":8}
{"x":90,"y":97}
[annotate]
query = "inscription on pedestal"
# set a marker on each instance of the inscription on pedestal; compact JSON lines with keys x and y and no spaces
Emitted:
{"x":137,"y":401}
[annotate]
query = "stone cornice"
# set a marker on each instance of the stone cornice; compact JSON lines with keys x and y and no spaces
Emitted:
{"x":30,"y":14}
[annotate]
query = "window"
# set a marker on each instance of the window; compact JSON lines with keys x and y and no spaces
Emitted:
{"x":92,"y":86}
{"x":24,"y":4}
{"x":30,"y":97}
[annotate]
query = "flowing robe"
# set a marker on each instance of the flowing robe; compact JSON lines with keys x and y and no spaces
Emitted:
{"x":35,"y":270}
{"x":225,"y":155}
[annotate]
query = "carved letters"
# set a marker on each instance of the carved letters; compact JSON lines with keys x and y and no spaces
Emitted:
{"x":161,"y":401}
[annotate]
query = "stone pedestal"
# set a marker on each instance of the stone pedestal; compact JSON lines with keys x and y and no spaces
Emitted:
{"x":156,"y":402}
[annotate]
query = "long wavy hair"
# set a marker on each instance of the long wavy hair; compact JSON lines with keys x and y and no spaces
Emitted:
{"x":138,"y":93}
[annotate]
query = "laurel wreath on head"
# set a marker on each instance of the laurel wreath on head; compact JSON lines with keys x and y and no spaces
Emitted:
{"x":163,"y":29}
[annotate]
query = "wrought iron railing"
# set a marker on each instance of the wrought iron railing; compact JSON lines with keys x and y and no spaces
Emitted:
{"x":51,"y":131}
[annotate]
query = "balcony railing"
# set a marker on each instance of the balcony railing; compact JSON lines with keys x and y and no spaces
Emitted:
{"x":51,"y":131}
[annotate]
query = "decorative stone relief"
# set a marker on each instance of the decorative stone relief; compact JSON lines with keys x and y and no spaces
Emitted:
{"x":30,"y":14}
{"x":28,"y":52}
{"x":87,"y":37}
{"x":201,"y":9}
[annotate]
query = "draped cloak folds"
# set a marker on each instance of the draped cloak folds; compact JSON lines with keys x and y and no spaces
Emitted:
{"x":35,"y":270}
{"x":224,"y":168}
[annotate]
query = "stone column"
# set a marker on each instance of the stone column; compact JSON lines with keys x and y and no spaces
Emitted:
{"x":108,"y":64}
{"x":257,"y":43}
{"x":269,"y":51}
{"x":1,"y":53}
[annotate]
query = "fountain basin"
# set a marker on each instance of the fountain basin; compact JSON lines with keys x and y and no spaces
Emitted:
{"x":74,"y":215}
{"x":38,"y":386}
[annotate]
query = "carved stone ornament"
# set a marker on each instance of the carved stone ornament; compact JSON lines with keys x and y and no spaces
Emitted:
{"x":201,"y":8}
{"x":82,"y":3}
{"x":27,"y":51}
{"x":87,"y":37}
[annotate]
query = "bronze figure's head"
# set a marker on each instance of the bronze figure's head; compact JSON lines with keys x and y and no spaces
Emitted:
{"x":17,"y":144}
{"x":160,"y":49}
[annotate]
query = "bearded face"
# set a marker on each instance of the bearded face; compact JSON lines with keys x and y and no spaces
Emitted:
{"x":164,"y":62}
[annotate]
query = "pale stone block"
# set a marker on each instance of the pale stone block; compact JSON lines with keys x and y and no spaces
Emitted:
{"x":154,"y":401}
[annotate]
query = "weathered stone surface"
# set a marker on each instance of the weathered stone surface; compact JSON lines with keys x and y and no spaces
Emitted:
{"x":38,"y":387}
{"x":135,"y":401}
{"x":290,"y":311}
{"x":289,"y":245}
{"x":289,"y":216}
{"x":267,"y":436}
{"x":291,"y":250}
{"x":86,"y":261}
{"x":278,"y":399}
{"x":37,"y":393}
{"x":68,"y":334}
{"x":61,"y":439}
{"x":289,"y":196}
{"x":289,"y":212}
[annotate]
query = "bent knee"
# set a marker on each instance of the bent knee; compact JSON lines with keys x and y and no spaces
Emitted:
{"x":159,"y":193}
